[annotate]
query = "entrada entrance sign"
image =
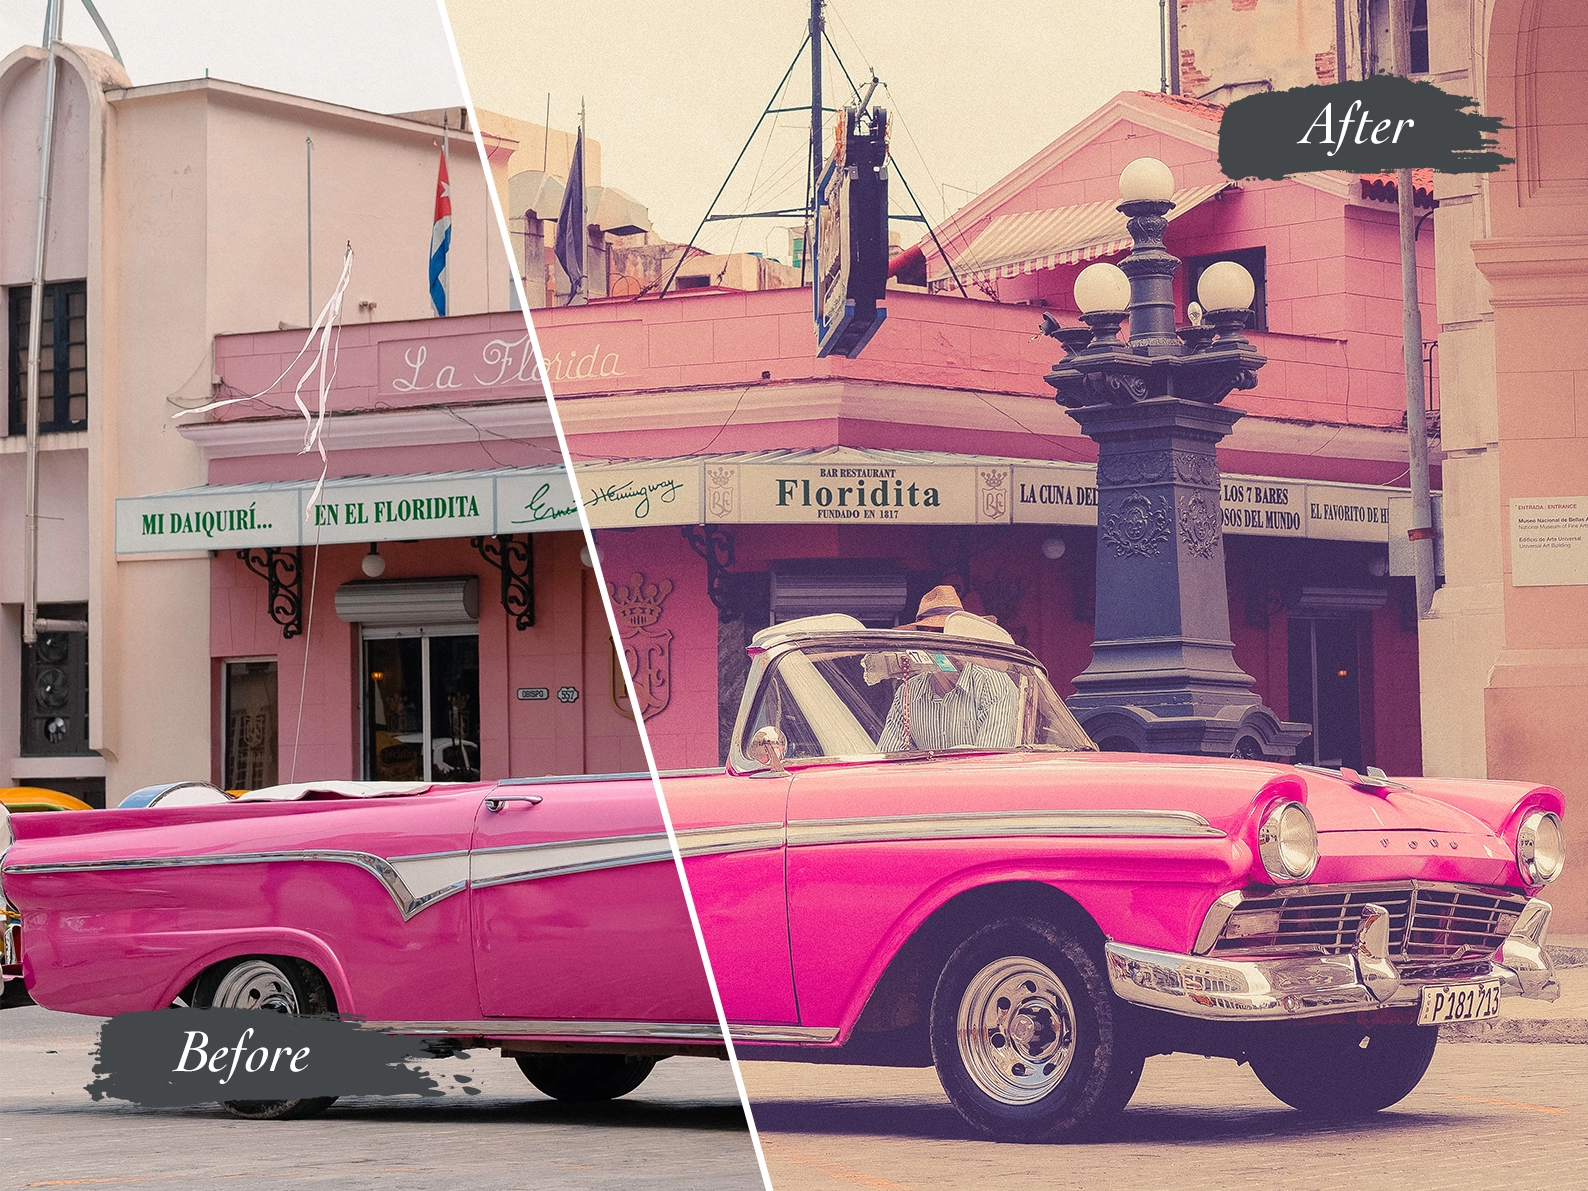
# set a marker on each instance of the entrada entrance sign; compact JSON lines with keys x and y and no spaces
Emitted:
{"x":851,"y":258}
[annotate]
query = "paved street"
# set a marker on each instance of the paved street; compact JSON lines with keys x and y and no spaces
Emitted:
{"x":1489,"y":1116}
{"x":682,"y":1128}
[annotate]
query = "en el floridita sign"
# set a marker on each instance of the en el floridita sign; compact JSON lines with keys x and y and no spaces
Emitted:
{"x":388,"y":508}
{"x":848,"y":486}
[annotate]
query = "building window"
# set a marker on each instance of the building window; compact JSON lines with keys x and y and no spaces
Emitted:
{"x":55,"y":688}
{"x":1378,"y":37}
{"x":252,"y":737}
{"x":1253,"y":260}
{"x":63,"y":357}
{"x":1419,"y":62}
{"x":421,"y":705}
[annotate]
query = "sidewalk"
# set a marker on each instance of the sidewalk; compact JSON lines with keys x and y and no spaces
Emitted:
{"x":1523,"y":1020}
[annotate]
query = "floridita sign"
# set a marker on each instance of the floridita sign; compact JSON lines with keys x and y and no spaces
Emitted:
{"x":389,"y":508}
{"x":852,"y":486}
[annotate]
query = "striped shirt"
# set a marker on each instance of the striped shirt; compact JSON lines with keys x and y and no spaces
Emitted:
{"x":980,"y":710}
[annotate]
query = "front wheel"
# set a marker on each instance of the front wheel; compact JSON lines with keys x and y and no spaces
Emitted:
{"x":274,"y":984}
{"x":1025,"y":1035}
{"x":1345,"y":1071}
{"x":585,"y":1078}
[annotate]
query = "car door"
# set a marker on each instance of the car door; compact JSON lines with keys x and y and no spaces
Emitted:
{"x":858,"y":860}
{"x":577,"y":909}
{"x":731,"y":832}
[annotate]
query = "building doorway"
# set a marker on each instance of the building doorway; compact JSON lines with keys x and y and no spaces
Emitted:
{"x":250,"y":752}
{"x":421,"y":704}
{"x":1326,"y":690}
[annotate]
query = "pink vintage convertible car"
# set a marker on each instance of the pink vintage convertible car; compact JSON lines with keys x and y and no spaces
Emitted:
{"x":541,"y":916}
{"x":1034,"y":918}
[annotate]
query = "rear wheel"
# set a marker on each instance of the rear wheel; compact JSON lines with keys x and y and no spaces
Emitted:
{"x":1345,"y":1071}
{"x":1024,"y":1035}
{"x":275,"y":984}
{"x":585,"y":1078}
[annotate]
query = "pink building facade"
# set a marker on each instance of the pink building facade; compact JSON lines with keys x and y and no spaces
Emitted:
{"x":429,"y":613}
{"x":722,"y":464}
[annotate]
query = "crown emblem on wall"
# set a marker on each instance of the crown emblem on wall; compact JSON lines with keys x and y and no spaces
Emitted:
{"x":720,"y":477}
{"x":638,"y":604}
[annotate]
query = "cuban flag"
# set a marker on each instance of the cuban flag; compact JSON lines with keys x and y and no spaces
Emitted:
{"x":440,"y":240}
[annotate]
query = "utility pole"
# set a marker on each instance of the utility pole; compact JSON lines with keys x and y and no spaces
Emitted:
{"x":1163,"y":45}
{"x":1422,"y":532}
{"x":30,"y":609}
{"x":816,"y":105}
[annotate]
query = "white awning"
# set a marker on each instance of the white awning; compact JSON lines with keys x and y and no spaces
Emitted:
{"x":851,"y":485}
{"x":1032,"y":240}
{"x":457,"y":504}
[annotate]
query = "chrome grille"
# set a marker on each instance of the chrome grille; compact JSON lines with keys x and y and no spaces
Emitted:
{"x":1427,"y":921}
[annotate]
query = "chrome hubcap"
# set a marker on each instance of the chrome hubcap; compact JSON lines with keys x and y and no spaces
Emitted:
{"x":256,"y":984}
{"x":1016,"y":1030}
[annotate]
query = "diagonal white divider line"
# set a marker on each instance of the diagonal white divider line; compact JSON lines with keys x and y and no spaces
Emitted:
{"x":606,"y":604}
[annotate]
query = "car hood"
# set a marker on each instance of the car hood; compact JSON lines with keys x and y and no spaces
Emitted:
{"x":1221,"y":790}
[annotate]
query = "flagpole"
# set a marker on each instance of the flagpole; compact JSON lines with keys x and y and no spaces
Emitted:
{"x":584,"y":217}
{"x":446,"y":161}
{"x":308,"y":206}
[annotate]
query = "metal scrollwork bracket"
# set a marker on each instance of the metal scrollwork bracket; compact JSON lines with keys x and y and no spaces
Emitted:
{"x":514,"y":558}
{"x":716,"y":547}
{"x":282,"y":570}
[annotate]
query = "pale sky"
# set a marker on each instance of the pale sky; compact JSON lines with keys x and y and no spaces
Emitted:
{"x":380,"y":55}
{"x":672,"y":89}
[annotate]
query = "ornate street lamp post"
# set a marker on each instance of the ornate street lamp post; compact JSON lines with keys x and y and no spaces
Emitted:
{"x":1163,"y":676}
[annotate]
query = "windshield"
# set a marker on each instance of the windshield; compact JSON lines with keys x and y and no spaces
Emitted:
{"x":837,"y":702}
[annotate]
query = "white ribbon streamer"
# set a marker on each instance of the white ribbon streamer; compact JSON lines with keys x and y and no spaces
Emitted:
{"x":328,"y":328}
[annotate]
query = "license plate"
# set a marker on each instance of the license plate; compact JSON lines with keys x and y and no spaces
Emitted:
{"x":1459,"y":1002}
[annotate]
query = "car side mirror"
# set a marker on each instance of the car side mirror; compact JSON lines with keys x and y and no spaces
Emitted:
{"x":768,"y":747}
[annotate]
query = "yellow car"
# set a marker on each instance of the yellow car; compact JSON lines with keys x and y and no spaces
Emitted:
{"x":36,"y":798}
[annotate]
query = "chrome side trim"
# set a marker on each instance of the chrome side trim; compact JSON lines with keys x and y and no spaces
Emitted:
{"x":381,"y":869}
{"x":514,"y":1027}
{"x":420,"y":881}
{"x":532,"y":862}
{"x":996,"y":824}
{"x":758,"y":1034}
{"x":433,"y":876}
{"x":718,"y":841}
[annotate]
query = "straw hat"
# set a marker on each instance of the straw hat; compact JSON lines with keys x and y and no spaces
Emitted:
{"x":937,"y":606}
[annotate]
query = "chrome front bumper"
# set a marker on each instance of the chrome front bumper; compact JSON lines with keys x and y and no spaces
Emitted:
{"x":1261,"y":989}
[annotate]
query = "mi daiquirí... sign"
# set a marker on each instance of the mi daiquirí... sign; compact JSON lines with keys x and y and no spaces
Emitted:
{"x":850,"y":486}
{"x":389,"y":508}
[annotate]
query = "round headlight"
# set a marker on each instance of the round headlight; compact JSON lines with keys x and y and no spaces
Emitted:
{"x":1540,"y":847}
{"x":1288,"y":842}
